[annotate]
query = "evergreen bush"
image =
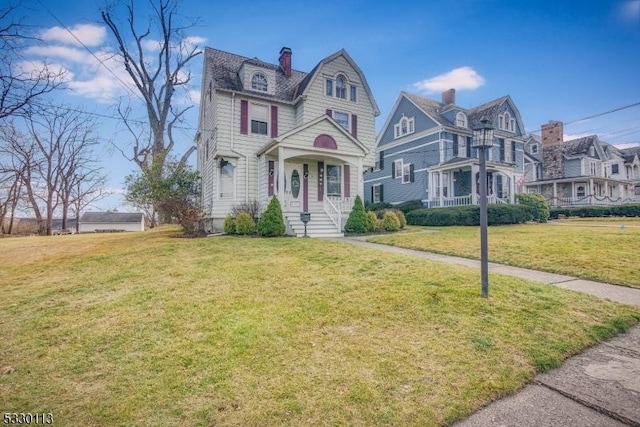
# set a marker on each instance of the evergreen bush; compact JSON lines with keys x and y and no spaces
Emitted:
{"x":357,"y":221}
{"x":271,"y":222}
{"x":409,"y":205}
{"x":538,"y":203}
{"x":390,"y":221}
{"x":245,"y":223}
{"x":229,"y":225}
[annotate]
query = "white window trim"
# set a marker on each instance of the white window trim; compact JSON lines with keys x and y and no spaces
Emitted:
{"x":344,"y":88}
{"x":461,"y":117}
{"x":531,"y":150}
{"x":348,"y":127}
{"x":397,"y":128}
{"x":348,"y":85}
{"x":397,"y":168}
{"x":506,"y":122}
{"x":250,"y":118}
{"x":406,"y":174}
{"x":376,"y":190}
{"x":266,"y":79}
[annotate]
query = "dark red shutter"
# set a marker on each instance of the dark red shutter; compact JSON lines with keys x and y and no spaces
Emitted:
{"x":329,"y":113}
{"x":274,"y":121}
{"x":272,"y":172}
{"x":305,"y":187}
{"x":320,"y":181}
{"x":354,"y":125}
{"x":347,"y":181}
{"x":244,"y":117}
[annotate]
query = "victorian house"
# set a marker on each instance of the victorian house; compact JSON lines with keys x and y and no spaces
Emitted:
{"x":268,"y":130}
{"x":581,"y":171}
{"x":424,"y":152}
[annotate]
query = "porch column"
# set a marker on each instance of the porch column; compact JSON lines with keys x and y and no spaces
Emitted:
{"x":281,"y":176}
{"x":621,"y":194}
{"x":512,"y":189}
{"x":474,"y":194}
{"x":440,"y":188}
{"x":591,"y":191}
{"x":555,"y":191}
{"x":360,"y":179}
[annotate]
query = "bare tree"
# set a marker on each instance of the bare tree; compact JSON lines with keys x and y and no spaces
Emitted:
{"x":156,"y":74}
{"x":87,"y":188}
{"x":19,"y":86}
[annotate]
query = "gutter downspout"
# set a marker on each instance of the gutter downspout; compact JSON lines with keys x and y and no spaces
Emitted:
{"x":246,"y":158}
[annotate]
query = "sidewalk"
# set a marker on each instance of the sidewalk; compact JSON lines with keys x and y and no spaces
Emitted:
{"x":599,"y":387}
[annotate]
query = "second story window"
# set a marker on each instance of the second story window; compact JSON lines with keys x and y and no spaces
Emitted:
{"x":259,"y":82}
{"x":259,"y":115}
{"x":341,"y":87}
{"x":342,"y":119}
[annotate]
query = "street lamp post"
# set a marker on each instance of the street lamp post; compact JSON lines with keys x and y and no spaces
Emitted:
{"x":483,"y":139}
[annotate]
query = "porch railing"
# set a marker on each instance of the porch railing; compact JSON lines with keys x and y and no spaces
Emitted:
{"x":592,"y":200}
{"x":335,"y":207}
{"x":447,"y":202}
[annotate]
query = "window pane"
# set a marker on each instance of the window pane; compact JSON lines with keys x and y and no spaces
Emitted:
{"x":334,"y":184}
{"x":329,"y":87}
{"x":259,"y":82}
{"x":342,"y":119}
{"x":341,"y":87}
{"x":353,"y":93}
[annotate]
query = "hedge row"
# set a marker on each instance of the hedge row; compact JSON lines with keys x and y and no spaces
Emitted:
{"x":597,"y":211}
{"x":470,"y":215}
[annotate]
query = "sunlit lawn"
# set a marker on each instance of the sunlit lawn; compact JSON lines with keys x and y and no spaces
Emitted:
{"x":595,"y":249}
{"x":149,"y":329}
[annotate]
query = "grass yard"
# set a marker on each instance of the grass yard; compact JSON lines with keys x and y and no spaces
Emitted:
{"x":149,"y":329}
{"x":594,"y":248}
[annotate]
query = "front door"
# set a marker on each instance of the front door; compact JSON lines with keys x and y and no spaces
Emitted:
{"x":293,"y":197}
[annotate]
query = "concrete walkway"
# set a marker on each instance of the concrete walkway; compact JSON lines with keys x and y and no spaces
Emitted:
{"x":599,"y":387}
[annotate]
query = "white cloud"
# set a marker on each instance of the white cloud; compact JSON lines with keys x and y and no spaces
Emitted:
{"x":627,"y":145}
{"x":629,"y":10}
{"x":61,"y":52}
{"x":459,"y":78}
{"x":88,"y":34}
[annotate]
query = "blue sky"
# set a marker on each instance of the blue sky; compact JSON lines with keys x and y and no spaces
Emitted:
{"x":558,"y":60}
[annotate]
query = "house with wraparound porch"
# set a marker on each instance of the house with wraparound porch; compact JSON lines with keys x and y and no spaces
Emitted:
{"x":268,"y":130}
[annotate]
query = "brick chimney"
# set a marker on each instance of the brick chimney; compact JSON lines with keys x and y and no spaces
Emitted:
{"x":449,"y":97}
{"x":552,"y":148}
{"x":285,"y":61}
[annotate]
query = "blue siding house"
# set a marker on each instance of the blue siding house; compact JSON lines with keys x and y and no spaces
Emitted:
{"x":424,"y":152}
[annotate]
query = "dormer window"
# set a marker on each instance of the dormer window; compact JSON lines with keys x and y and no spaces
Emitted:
{"x":259,"y":82}
{"x":340,"y":87}
{"x":534,"y":149}
{"x":592,"y":151}
{"x":461,"y":120}
{"x":404,"y":127}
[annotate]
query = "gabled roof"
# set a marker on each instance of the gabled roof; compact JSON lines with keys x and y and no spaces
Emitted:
{"x":223,"y":68}
{"x":115,"y":217}
{"x":430,"y":107}
{"x":629,"y":154}
{"x":580,"y":146}
{"x":489,"y":111}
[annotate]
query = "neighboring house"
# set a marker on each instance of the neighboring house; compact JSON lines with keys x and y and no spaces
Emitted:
{"x":424,"y":153}
{"x":582,"y":171}
{"x":269,"y":130}
{"x":92,"y":222}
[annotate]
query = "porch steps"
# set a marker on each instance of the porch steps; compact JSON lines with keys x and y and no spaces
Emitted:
{"x":319,"y":226}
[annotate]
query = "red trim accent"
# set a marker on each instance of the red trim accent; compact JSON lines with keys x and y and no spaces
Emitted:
{"x":325,"y":141}
{"x":305,"y":187}
{"x":329,"y":113}
{"x":354,"y":125}
{"x":274,"y":121}
{"x":244,"y":117}
{"x":320,"y":181}
{"x":272,"y":172}
{"x":347,"y":181}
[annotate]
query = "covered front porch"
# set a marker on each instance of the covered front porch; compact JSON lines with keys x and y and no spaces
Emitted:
{"x":457,"y":183}
{"x":585,"y":191}
{"x":320,"y":179}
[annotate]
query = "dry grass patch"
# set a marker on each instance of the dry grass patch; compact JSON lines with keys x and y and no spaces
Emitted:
{"x":595,"y":249}
{"x":148,"y":329}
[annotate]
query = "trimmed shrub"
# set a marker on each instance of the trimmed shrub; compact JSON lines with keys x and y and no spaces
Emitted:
{"x":401,"y":218}
{"x":230,"y":225}
{"x":245,"y":223}
{"x":378,"y":206}
{"x":357,"y":221}
{"x":390,"y":221}
{"x":470,"y":215}
{"x":630,"y":209}
{"x":271,"y":222}
{"x":409,"y":205}
{"x":372,"y":222}
{"x":538,"y":203}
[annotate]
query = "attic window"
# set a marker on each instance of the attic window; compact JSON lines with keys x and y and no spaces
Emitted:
{"x":259,"y":82}
{"x":506,"y":122}
{"x":461,"y":120}
{"x":341,"y":87}
{"x":404,"y":127}
{"x":592,"y":151}
{"x":534,"y":149}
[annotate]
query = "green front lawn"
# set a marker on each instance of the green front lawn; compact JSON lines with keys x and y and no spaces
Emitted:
{"x":149,"y":329}
{"x":594,"y":249}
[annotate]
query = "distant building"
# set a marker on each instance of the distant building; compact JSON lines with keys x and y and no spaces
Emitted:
{"x":92,"y":222}
{"x":581,"y":171}
{"x":424,"y":153}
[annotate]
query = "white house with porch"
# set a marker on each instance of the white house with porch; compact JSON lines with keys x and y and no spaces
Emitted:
{"x":268,"y":130}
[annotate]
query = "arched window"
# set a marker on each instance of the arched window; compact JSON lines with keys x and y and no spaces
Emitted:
{"x":341,"y":87}
{"x":461,"y":120}
{"x":259,"y":82}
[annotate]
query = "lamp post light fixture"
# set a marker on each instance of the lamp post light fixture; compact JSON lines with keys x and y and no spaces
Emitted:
{"x":483,"y":139}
